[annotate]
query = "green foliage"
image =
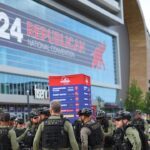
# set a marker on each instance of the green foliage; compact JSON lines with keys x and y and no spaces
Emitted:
{"x":135,"y":99}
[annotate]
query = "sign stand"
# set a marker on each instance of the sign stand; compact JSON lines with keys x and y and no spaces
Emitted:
{"x":73,"y":92}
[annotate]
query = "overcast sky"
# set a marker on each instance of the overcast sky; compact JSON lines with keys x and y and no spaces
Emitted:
{"x":145,"y":4}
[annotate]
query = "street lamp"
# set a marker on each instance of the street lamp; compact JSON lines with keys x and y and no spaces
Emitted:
{"x":28,"y":103}
{"x":121,"y":103}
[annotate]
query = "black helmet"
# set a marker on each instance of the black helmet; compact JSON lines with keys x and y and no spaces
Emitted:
{"x":127,"y":115}
{"x":5,"y":116}
{"x":123,"y":115}
{"x":13,"y":117}
{"x":79,"y":112}
{"x":33,"y":114}
{"x":44,"y":110}
{"x":19,"y":120}
{"x":86,"y":112}
{"x":100,"y":114}
{"x":119,"y":115}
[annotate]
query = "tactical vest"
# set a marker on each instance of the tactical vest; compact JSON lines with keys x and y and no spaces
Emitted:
{"x":105,"y":124}
{"x":139,"y":123}
{"x":108,"y":141}
{"x":54,"y":135}
{"x":143,"y":137}
{"x":96,"y":136}
{"x":77,"y":125}
{"x":19,"y":132}
{"x":4,"y":140}
{"x":119,"y":142}
{"x":28,"y":140}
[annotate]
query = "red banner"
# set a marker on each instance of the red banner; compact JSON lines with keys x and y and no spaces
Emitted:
{"x":69,"y":80}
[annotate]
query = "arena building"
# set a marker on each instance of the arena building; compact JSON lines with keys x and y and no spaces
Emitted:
{"x":59,"y":37}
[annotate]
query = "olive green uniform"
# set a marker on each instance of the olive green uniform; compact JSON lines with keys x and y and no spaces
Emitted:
{"x":133,"y":136}
{"x":13,"y":139}
{"x":22,"y":136}
{"x":109,"y":134}
{"x":111,"y":129}
{"x":141,"y":123}
{"x":67,"y":127}
{"x":84,"y":134}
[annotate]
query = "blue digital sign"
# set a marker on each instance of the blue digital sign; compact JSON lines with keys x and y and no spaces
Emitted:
{"x":72,"y":96}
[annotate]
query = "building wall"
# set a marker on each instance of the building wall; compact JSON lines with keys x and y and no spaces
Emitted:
{"x":138,"y":43}
{"x":124,"y":60}
{"x":25,"y":57}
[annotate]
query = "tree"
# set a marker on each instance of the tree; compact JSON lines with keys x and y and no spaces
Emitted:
{"x":135,"y":99}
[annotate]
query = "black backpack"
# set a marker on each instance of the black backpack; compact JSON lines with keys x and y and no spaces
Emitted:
{"x":143,"y":137}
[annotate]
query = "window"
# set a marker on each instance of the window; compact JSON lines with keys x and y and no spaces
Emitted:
{"x":22,"y":84}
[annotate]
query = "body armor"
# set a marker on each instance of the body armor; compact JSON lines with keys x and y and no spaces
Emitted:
{"x":96,"y":136}
{"x":77,"y":125}
{"x":119,"y":142}
{"x":105,"y":124}
{"x":4,"y":140}
{"x":139,"y":123}
{"x":142,"y":135}
{"x":54,"y":135}
{"x":19,"y":132}
{"x":28,"y":140}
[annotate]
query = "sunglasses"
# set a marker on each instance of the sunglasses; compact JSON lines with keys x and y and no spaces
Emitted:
{"x":35,"y":117}
{"x":118,"y":119}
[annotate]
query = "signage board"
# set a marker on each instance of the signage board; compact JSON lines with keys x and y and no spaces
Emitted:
{"x":73,"y":92}
{"x":23,"y":31}
{"x":41,"y":94}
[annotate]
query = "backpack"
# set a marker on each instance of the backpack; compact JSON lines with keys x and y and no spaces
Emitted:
{"x":143,"y":137}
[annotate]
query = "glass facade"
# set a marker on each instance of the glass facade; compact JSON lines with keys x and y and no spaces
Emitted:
{"x":92,"y":51}
{"x":18,"y":85}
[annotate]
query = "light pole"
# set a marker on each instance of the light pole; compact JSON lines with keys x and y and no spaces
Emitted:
{"x":28,"y":102}
{"x":121,"y":103}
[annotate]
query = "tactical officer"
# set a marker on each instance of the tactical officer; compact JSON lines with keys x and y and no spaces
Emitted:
{"x":19,"y":126}
{"x":126,"y":137}
{"x":108,"y":128}
{"x":91,"y":133}
{"x":8,"y":138}
{"x":12,"y":120}
{"x":43,"y":113}
{"x":31,"y":130}
{"x":55,"y":132}
{"x":139,"y":122}
{"x":77,"y":125}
